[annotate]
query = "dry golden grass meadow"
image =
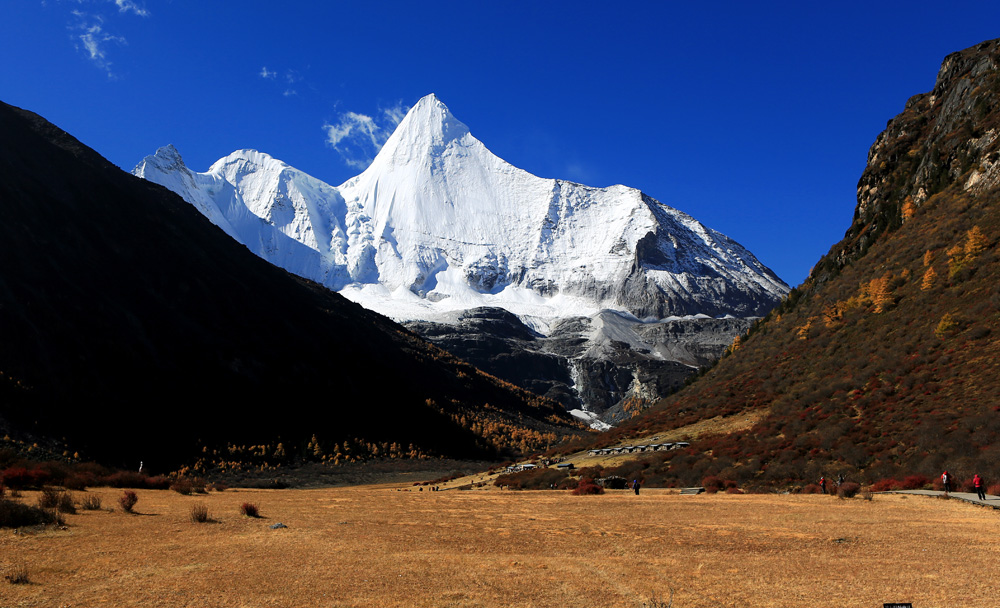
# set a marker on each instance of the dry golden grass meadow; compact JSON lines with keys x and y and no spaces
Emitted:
{"x":390,"y":546}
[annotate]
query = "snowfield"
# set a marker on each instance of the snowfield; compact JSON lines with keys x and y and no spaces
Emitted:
{"x":438,"y":223}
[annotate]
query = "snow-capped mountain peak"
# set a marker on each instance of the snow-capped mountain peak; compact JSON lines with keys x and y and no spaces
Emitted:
{"x":429,"y":125}
{"x":437,"y":222}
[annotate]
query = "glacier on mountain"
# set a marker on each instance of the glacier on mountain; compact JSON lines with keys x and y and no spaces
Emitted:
{"x":438,"y":223}
{"x":616,"y":297}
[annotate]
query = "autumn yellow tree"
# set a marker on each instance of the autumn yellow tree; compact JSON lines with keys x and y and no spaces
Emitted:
{"x":880,"y":294}
{"x":975,"y":242}
{"x":909,"y":208}
{"x":832,"y":314}
{"x":803,"y":331}
{"x":930,"y":277}
{"x":735,"y":346}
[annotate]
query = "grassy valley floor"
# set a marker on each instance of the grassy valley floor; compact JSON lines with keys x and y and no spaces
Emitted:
{"x":395,"y":547}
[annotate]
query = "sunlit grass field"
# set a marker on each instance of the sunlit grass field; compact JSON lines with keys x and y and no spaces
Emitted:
{"x":394,"y":546}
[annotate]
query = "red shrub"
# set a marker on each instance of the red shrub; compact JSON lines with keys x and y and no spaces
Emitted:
{"x":19,"y":478}
{"x":159,"y":482}
{"x":127,"y":500}
{"x":587,"y":486}
{"x":994,"y":489}
{"x":916,"y":482}
{"x":812,"y":488}
{"x":712,"y":484}
{"x":250,"y":509}
{"x":126,"y":479}
{"x":78,"y":482}
{"x":885,"y":485}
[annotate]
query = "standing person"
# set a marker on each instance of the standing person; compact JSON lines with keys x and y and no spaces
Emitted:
{"x":822,"y":484}
{"x":840,"y":480}
{"x":978,"y":482}
{"x":635,"y":486}
{"x":946,"y":480}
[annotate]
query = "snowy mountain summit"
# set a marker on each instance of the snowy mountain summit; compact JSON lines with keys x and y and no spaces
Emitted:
{"x":616,"y":297}
{"x":438,"y":223}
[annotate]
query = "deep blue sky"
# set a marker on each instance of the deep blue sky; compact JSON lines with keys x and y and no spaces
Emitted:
{"x":754,"y":117}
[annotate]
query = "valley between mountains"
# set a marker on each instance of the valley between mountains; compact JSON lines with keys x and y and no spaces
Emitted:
{"x":232,"y":320}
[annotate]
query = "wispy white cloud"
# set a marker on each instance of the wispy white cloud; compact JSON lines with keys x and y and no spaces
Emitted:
{"x":93,"y":41}
{"x":128,"y":6}
{"x":287,"y":80}
{"x":359,"y":137}
{"x":395,"y":114}
{"x":90,"y":35}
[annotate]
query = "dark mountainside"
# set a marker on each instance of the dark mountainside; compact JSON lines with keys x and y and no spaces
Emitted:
{"x":133,"y":329}
{"x":884,"y":361}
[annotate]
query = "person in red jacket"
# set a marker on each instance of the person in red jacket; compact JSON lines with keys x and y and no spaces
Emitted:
{"x":978,"y":482}
{"x":946,"y":480}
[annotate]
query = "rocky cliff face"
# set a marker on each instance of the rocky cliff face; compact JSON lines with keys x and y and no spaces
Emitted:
{"x":943,"y":136}
{"x":603,"y":367}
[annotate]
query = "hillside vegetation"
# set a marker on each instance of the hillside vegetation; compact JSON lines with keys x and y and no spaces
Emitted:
{"x":885,"y":360}
{"x":131,"y":329}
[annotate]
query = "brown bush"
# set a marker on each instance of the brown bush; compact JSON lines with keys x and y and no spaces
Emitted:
{"x":250,"y":509}
{"x":183,"y":486}
{"x":848,"y":489}
{"x":91,"y":502}
{"x":128,"y":500}
{"x":77,"y":482}
{"x":49,"y":498}
{"x":199,"y":514}
{"x":17,"y":574}
{"x":13,"y":514}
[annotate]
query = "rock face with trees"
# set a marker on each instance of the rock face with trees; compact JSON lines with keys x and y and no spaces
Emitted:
{"x":884,"y":361}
